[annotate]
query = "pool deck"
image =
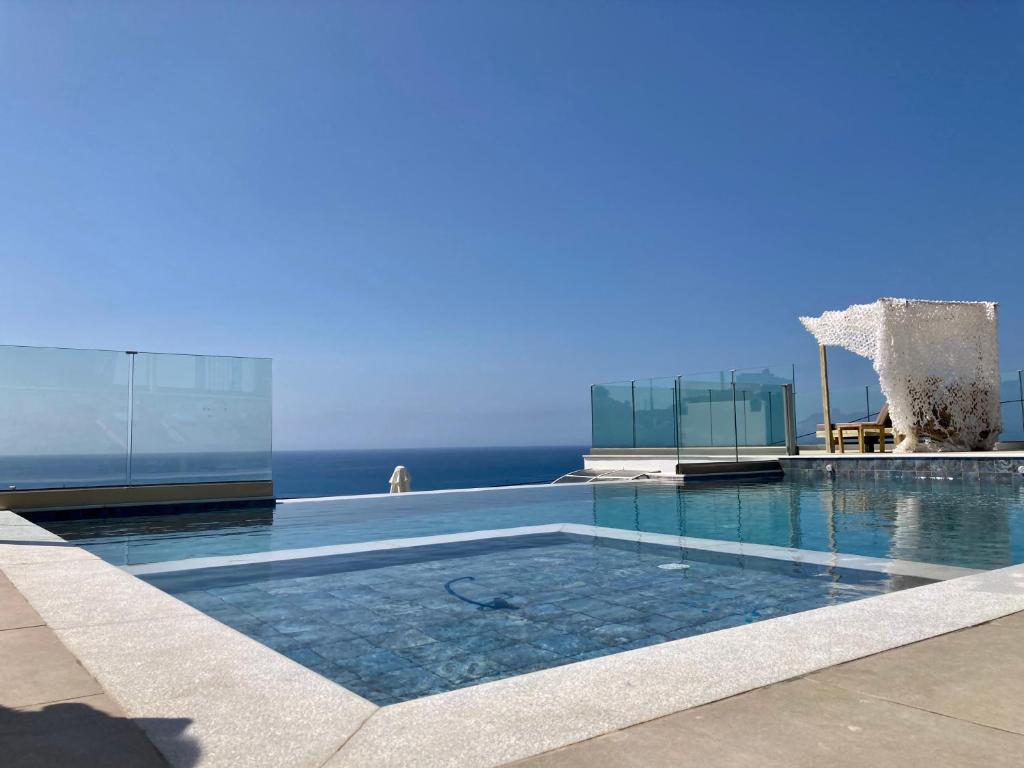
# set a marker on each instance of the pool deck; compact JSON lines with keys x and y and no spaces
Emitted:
{"x":954,"y":700}
{"x":951,"y":700}
{"x":885,"y":680}
{"x":52,"y":711}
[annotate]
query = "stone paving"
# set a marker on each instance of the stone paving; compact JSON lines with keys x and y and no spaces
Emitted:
{"x":52,"y":711}
{"x":952,"y":701}
{"x":393,"y":633}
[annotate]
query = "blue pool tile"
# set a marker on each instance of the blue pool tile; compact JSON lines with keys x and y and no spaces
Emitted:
{"x":604,"y":650}
{"x":370,"y":629}
{"x":278,"y":641}
{"x":372,"y":665}
{"x":485,"y":641}
{"x":431,"y":653}
{"x":658,"y":624}
{"x":617,"y":634}
{"x":345,"y":649}
{"x":642,"y":642}
{"x":353,"y":616}
{"x":566,"y":644}
{"x":584,"y":604}
{"x":611,"y":612}
{"x":306,"y":656}
{"x":464,"y":667}
{"x":402,"y":638}
{"x":410,"y":682}
{"x":522,"y":655}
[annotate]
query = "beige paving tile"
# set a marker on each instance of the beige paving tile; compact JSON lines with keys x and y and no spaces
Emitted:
{"x":101,"y":594}
{"x":973,"y":674}
{"x":10,"y":518}
{"x":1014,"y":621}
{"x":16,"y":529}
{"x":15,"y":612}
{"x":797,"y":724}
{"x":89,"y":732}
{"x":35,"y":668}
{"x":247,"y":705}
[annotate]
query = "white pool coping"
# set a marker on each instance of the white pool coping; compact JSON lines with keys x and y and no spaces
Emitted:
{"x":741,"y":549}
{"x":248,"y":705}
{"x":482,"y":489}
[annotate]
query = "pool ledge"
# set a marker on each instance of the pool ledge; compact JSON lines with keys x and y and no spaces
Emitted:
{"x":248,"y":705}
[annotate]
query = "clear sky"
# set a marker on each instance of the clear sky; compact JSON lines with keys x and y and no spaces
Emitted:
{"x":445,"y":220}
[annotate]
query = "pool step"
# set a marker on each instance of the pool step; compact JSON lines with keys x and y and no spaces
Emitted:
{"x":604,"y":475}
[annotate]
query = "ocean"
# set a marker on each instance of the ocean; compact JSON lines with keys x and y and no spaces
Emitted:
{"x":339,"y":473}
{"x":301,"y":473}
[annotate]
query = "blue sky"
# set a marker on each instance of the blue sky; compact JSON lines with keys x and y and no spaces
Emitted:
{"x":445,"y":220}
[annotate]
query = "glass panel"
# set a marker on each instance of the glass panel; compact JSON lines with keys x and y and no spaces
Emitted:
{"x":849,"y":405}
{"x":63,"y":417}
{"x":771,"y":375}
{"x":808,"y":418}
{"x":760,"y":415}
{"x":654,"y":413}
{"x":200,"y":419}
{"x":1011,"y":395}
{"x":706,"y":411}
{"x":612,"y":415}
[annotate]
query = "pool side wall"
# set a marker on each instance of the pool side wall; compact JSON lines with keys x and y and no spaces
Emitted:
{"x":983,"y":467}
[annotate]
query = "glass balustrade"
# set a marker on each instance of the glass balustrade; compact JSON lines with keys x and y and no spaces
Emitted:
{"x":72,"y":418}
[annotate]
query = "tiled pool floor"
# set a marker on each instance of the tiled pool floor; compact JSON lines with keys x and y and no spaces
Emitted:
{"x":393,"y":630}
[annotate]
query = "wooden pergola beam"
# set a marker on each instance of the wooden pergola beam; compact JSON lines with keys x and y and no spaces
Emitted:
{"x":825,"y":406}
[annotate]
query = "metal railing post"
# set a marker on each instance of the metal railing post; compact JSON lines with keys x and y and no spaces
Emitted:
{"x":735,"y":423}
{"x":1020,"y":388}
{"x":131,"y":417}
{"x":592,"y":441}
{"x":675,"y":420}
{"x":789,"y":414}
{"x":632,"y":403}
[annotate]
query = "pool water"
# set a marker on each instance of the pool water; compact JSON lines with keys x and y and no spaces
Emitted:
{"x":454,"y":615}
{"x":398,"y":620}
{"x":969,"y":524}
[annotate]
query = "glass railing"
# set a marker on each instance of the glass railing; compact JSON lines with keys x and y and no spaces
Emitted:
{"x":863,"y":403}
{"x":73,"y":418}
{"x":1011,"y":398}
{"x":611,"y":415}
{"x":654,"y":409}
{"x":745,"y":408}
{"x":722,"y":409}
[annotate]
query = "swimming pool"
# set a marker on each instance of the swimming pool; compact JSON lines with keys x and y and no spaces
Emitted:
{"x":400,"y":597}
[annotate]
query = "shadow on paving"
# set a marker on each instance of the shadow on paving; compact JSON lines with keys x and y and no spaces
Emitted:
{"x":77,"y":734}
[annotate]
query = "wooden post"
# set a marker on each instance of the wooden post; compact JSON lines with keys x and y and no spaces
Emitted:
{"x":826,"y":409}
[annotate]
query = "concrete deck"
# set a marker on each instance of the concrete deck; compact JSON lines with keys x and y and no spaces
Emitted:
{"x":954,"y":700}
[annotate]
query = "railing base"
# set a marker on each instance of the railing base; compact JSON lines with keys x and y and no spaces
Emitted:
{"x":75,"y":499}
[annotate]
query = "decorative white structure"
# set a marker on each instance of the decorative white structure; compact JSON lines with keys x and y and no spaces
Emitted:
{"x":937,"y":363}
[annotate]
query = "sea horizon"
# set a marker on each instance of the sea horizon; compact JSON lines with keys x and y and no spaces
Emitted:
{"x":302,"y":472}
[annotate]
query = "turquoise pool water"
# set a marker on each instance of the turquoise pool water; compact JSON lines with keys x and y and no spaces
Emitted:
{"x":395,"y":623}
{"x":975,"y":525}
